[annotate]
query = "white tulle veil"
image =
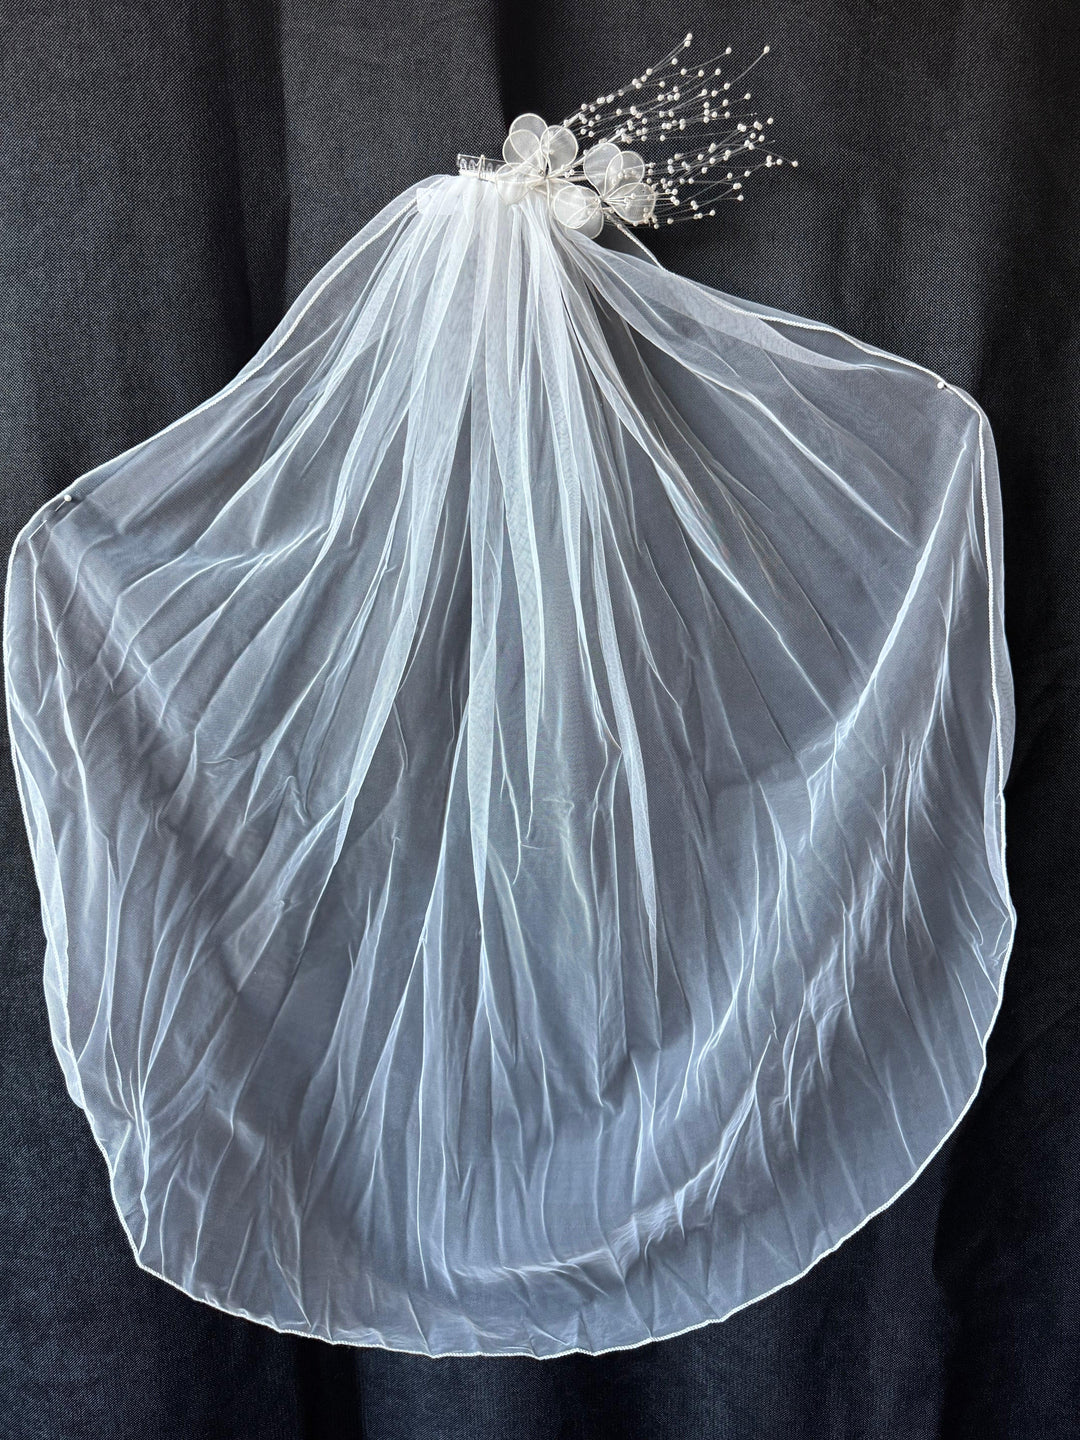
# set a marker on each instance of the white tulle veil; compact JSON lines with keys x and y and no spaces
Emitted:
{"x":515,"y":783}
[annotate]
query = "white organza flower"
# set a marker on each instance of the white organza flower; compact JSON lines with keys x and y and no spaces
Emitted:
{"x":539,"y":156}
{"x":535,"y":154}
{"x":539,"y":147}
{"x":577,"y":207}
{"x":619,"y":178}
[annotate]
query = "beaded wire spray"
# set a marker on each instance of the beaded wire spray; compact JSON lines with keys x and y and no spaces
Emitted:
{"x":675,"y":99}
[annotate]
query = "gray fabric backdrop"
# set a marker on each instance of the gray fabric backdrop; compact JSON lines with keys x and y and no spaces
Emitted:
{"x":170,"y":177}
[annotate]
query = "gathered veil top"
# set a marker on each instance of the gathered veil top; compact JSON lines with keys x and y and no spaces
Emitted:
{"x":515,"y":785}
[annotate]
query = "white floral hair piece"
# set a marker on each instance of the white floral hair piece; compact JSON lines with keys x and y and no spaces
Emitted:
{"x":654,"y":109}
{"x":539,"y":156}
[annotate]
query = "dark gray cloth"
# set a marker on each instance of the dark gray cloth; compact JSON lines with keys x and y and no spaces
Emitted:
{"x":170,"y":177}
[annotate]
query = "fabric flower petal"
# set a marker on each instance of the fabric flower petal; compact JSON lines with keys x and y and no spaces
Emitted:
{"x":522,"y":144}
{"x":559,"y":148}
{"x":596,"y":160}
{"x":632,"y":166}
{"x":512,"y":181}
{"x":576,"y":206}
{"x":634,"y":203}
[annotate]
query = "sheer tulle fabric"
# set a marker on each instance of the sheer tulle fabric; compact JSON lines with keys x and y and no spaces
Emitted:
{"x":515,"y":786}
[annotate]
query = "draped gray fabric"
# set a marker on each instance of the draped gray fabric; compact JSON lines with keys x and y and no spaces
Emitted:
{"x":171,"y":180}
